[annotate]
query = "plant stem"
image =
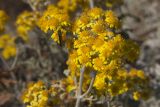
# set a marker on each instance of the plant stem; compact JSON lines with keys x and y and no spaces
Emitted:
{"x":90,"y":87}
{"x":108,"y":104}
{"x":80,"y":96}
{"x":15,"y":60}
{"x":81,"y":80}
{"x":80,"y":87}
{"x":91,"y":3}
{"x":78,"y":102}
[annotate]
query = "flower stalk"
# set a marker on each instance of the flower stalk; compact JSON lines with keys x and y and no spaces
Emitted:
{"x":80,"y":96}
{"x":91,"y":3}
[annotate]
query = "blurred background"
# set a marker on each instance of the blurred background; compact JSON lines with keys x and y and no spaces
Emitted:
{"x":46,"y":61}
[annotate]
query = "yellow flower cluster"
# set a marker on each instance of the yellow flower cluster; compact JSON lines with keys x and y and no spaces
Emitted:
{"x":7,"y":46}
{"x":68,"y":4}
{"x":97,"y":46}
{"x":97,"y":20}
{"x":71,"y":5}
{"x":112,"y":19}
{"x":57,"y":21}
{"x":36,"y":95}
{"x":3,"y":20}
{"x":137,"y":95}
{"x":42,"y":95}
{"x":142,"y":89}
{"x":25,"y":22}
{"x":134,"y":81}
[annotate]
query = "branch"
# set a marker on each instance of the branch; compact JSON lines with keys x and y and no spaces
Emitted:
{"x":91,"y":3}
{"x":30,"y":4}
{"x":15,"y":60}
{"x":90,"y":86}
{"x":80,"y":97}
{"x":81,"y":80}
{"x":80,"y":87}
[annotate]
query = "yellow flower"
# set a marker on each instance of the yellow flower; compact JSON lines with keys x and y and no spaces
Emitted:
{"x":56,"y":20}
{"x":70,"y":80}
{"x":25,"y":22}
{"x":136,"y":95}
{"x":8,"y":52}
{"x":8,"y":46}
{"x":3,"y":20}
{"x":99,"y":27}
{"x":111,"y":19}
{"x":137,"y":73}
{"x":98,"y":64}
{"x":122,"y":73}
{"x":23,"y":33}
{"x":100,"y":83}
{"x":84,"y":60}
{"x":98,"y":44}
{"x":117,"y":88}
{"x":69,"y":5}
{"x":72,"y":5}
{"x":141,"y":74}
{"x":3,"y":39}
{"x":37,"y":95}
{"x":95,"y":13}
{"x":73,"y":63}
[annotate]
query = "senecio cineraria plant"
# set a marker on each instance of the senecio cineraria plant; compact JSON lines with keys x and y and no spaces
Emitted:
{"x":97,"y":54}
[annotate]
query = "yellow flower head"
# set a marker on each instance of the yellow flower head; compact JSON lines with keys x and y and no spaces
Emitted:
{"x":69,"y":5}
{"x":3,"y":20}
{"x":25,"y":22}
{"x":95,"y":13}
{"x":8,"y":46}
{"x":100,"y":82}
{"x":72,"y":5}
{"x":96,"y":46}
{"x":136,"y":95}
{"x":55,"y":20}
{"x":112,"y":19}
{"x":36,"y":95}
